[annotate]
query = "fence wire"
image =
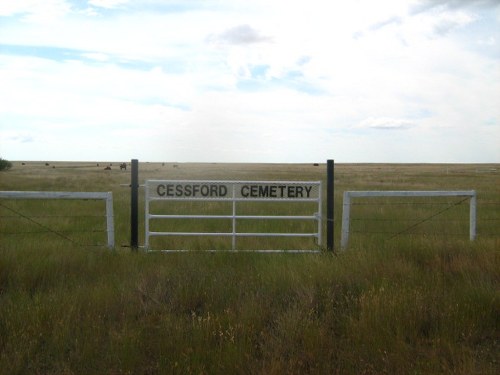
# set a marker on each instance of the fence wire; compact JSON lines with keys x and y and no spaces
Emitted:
{"x":428,"y":218}
{"x":44,"y":228}
{"x":487,"y":230}
{"x":487,"y":227}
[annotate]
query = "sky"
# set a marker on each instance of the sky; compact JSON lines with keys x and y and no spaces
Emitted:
{"x":386,"y":81}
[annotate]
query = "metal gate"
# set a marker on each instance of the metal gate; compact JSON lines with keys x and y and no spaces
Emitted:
{"x":234,"y":192}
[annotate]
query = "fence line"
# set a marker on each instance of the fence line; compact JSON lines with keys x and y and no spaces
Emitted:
{"x":481,"y":233}
{"x":471,"y":194}
{"x":107,"y":197}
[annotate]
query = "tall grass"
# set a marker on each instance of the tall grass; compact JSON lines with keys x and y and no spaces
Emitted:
{"x":412,"y":305}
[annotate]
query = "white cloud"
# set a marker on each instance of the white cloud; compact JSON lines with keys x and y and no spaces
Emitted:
{"x":35,"y":10}
{"x":450,"y":21}
{"x":386,"y":123}
{"x":239,"y":35}
{"x":109,"y":4}
{"x":241,"y":81}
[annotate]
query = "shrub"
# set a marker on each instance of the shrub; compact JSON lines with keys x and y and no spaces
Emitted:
{"x":5,"y":165}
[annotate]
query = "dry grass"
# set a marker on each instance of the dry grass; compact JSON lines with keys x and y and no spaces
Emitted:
{"x":414,"y":305}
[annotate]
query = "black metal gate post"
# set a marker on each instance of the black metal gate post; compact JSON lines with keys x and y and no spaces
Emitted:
{"x":134,"y":206}
{"x":330,"y":191}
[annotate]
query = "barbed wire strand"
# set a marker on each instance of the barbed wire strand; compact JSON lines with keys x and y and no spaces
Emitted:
{"x":427,"y":218}
{"x":39,"y":224}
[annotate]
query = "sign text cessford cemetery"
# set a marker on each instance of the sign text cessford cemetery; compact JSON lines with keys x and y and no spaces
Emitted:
{"x":221,"y":190}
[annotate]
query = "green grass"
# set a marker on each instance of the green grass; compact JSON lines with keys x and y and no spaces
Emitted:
{"x":411,"y":305}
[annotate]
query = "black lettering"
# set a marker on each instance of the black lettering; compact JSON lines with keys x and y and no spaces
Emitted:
{"x":244,"y":191}
{"x":178,"y":190}
{"x":272,"y":192}
{"x":254,"y":191}
{"x":222,"y":190}
{"x":308,"y":190}
{"x":263,"y":191}
{"x":205,"y":190}
{"x":299,"y":190}
{"x":213,"y":191}
{"x":170,"y":190}
{"x":291,"y":192}
{"x":282,"y":188}
{"x":160,"y":190}
{"x":202,"y":190}
{"x":196,"y":190}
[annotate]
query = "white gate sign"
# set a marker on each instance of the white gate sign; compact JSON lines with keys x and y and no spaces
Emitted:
{"x":233,"y":191}
{"x":190,"y":190}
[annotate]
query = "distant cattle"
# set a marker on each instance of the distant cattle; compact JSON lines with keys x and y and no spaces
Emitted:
{"x":108,"y":168}
{"x":123,"y":166}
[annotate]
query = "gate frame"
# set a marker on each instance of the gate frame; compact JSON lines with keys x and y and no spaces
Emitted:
{"x":316,"y":216}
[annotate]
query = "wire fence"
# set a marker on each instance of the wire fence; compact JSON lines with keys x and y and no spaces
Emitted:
{"x":429,"y":217}
{"x":29,"y":221}
{"x":85,"y":224}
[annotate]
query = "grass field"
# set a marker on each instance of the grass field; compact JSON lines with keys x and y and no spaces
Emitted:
{"x":426,"y":301}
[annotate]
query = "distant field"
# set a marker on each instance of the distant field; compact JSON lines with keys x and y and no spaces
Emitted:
{"x":424,"y":301}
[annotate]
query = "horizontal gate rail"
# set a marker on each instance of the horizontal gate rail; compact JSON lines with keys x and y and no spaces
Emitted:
{"x":240,"y":234}
{"x":55,"y":195}
{"x":313,"y":217}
